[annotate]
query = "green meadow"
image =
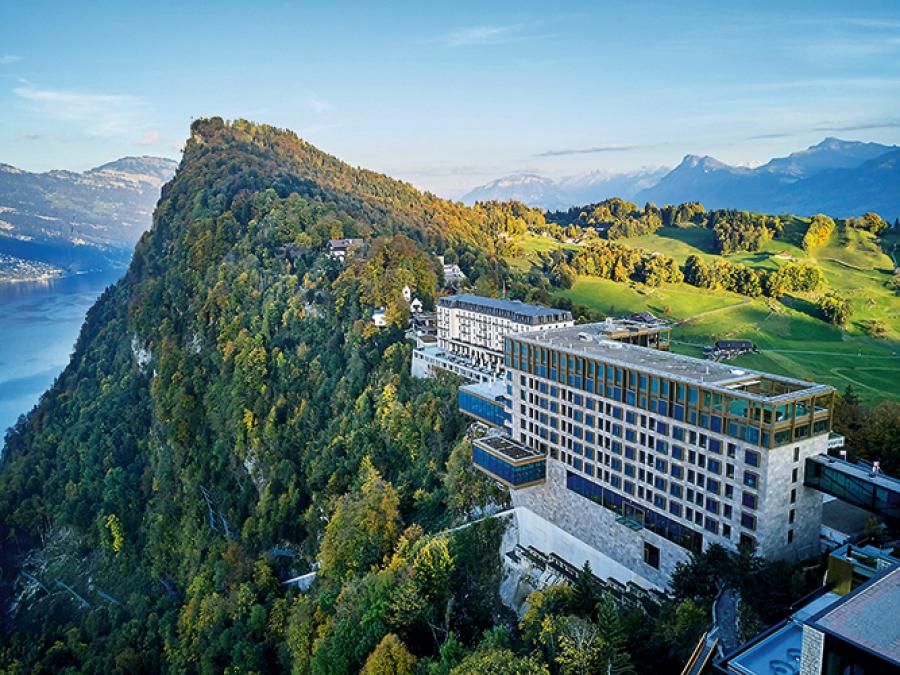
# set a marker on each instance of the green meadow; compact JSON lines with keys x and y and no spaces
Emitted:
{"x":792,"y":339}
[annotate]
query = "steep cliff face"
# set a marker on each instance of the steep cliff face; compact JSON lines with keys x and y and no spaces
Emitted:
{"x":207,"y":411}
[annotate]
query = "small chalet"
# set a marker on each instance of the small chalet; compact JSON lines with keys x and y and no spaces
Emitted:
{"x":339,"y":249}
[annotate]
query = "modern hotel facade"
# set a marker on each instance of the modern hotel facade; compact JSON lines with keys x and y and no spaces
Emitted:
{"x":649,"y":456}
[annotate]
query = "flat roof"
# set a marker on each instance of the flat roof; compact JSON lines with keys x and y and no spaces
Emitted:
{"x":867,"y":617}
{"x":491,"y":390}
{"x":479,"y":302}
{"x":613,"y":326}
{"x":587,"y":340}
{"x":436,"y":352}
{"x":783,"y":646}
{"x":504,"y":445}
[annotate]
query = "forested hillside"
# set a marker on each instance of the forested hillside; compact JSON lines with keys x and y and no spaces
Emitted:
{"x":223,"y":400}
{"x":231,"y":418}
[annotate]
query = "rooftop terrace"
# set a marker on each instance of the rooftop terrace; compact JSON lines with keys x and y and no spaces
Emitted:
{"x":491,"y":390}
{"x":589,"y":341}
{"x":507,"y":447}
{"x":613,"y":326}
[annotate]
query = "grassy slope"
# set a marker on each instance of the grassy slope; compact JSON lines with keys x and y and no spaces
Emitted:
{"x":532,"y":244}
{"x":792,"y":338}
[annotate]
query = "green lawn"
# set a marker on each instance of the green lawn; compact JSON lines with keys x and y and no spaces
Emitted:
{"x":529,"y":246}
{"x":535,"y":243}
{"x":683,"y":301}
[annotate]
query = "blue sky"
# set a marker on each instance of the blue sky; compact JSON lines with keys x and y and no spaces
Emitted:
{"x":451,"y":96}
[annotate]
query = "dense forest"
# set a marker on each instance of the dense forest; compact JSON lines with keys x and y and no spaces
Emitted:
{"x":231,"y":419}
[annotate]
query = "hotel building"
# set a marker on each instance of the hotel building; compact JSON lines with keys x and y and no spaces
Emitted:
{"x":470,"y":333}
{"x":648,"y":456}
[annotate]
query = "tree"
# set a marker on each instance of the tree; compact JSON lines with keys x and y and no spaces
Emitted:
{"x":499,"y":662}
{"x":582,"y":650}
{"x":835,"y":309}
{"x":681,"y":628}
{"x":612,"y":628}
{"x":875,"y":328}
{"x":586,"y":591}
{"x":697,"y":273}
{"x":116,"y":531}
{"x":818,"y":232}
{"x":468,"y":490}
{"x":363,"y":529}
{"x":390,"y":657}
{"x":556,"y":599}
{"x":871,"y":222}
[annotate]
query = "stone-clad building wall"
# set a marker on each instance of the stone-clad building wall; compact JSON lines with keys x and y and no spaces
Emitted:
{"x":783,"y":473}
{"x":597,"y":526}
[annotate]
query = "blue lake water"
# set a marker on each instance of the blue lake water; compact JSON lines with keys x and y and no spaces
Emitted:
{"x":39,"y":323}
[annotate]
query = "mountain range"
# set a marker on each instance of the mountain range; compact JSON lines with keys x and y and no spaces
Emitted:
{"x":837,"y":177}
{"x":80,"y":220}
{"x":559,"y":194}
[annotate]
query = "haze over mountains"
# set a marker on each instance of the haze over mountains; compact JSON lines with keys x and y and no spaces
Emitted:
{"x":837,"y":177}
{"x":80,"y":220}
{"x":536,"y":190}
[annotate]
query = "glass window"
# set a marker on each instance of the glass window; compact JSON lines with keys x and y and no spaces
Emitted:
{"x":651,"y":555}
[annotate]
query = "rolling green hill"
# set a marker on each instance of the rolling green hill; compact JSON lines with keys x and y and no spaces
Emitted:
{"x":792,"y":337}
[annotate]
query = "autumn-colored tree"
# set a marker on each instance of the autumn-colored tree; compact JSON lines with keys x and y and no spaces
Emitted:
{"x":364,"y":527}
{"x":499,"y":662}
{"x":390,"y":657}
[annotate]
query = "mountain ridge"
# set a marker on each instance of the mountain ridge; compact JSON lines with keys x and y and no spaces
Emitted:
{"x":82,"y":219}
{"x":786,"y":184}
{"x":781,"y":184}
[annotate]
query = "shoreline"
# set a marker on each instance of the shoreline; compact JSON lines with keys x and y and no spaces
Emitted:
{"x":43,"y":277}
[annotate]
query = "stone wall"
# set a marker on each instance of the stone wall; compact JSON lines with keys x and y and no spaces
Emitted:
{"x":811,"y":653}
{"x":775,"y":493}
{"x":596,"y":526}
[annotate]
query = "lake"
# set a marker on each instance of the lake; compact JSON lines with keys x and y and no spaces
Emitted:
{"x":39,"y":323}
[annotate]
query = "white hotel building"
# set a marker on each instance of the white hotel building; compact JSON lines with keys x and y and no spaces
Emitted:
{"x":470,"y":333}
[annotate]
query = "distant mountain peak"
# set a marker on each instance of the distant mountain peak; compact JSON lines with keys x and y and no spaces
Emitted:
{"x":835,"y":176}
{"x":158,"y":168}
{"x":702,"y":162}
{"x":521,"y":179}
{"x":559,"y":194}
{"x":107,"y":206}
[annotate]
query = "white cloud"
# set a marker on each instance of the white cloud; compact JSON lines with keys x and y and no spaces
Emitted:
{"x":149,"y":138}
{"x":9,"y":58}
{"x":487,"y":35}
{"x":97,"y":114}
{"x":479,"y":35}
